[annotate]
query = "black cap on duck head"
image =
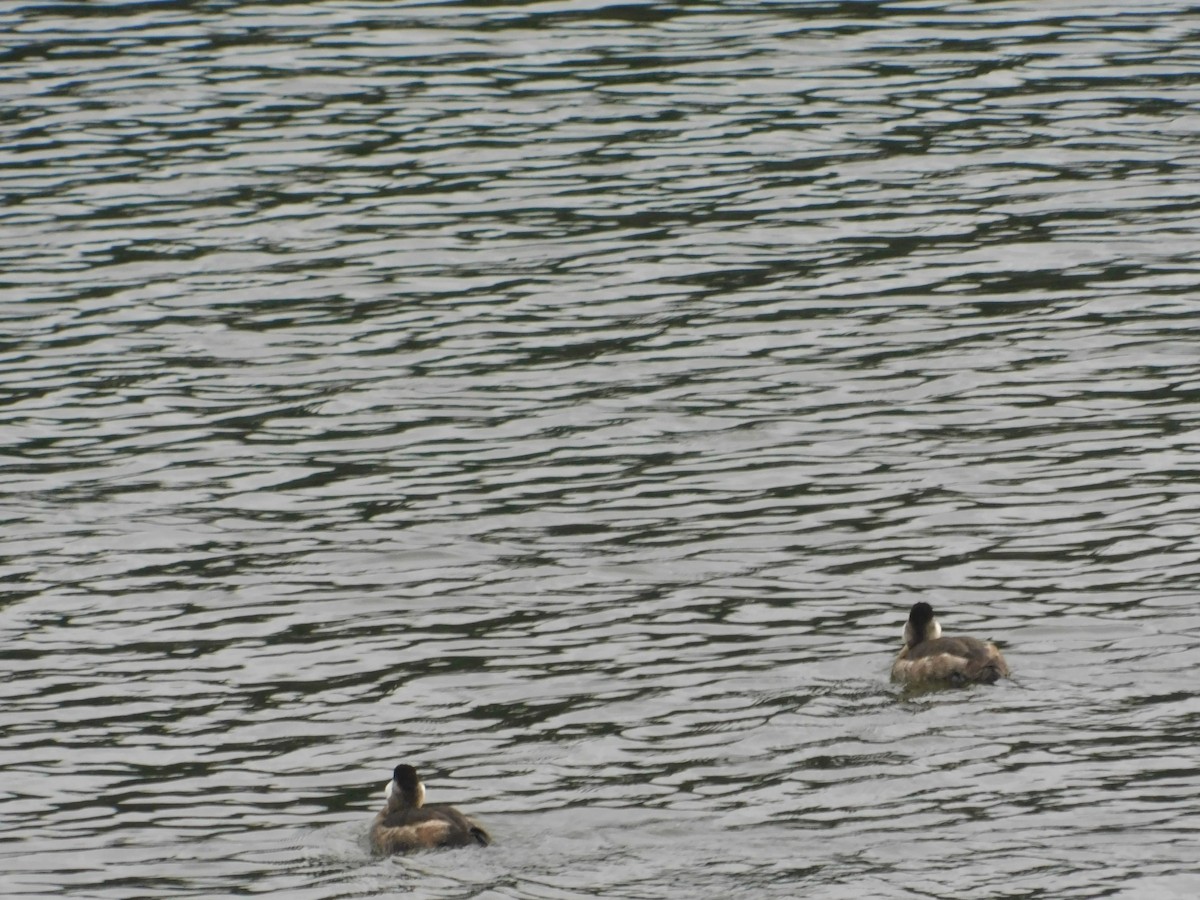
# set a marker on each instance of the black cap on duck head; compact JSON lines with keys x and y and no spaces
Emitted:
{"x":921,"y":625}
{"x":920,"y":614}
{"x":405,"y":788}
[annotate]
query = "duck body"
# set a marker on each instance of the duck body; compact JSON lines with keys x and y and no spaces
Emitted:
{"x":929,"y":658}
{"x":405,"y":823}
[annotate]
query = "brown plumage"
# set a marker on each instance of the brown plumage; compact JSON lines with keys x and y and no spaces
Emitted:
{"x":405,"y":823}
{"x":927,"y":657}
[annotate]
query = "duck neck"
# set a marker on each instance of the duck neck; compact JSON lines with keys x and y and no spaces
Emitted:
{"x":407,"y":797}
{"x":914,"y":635}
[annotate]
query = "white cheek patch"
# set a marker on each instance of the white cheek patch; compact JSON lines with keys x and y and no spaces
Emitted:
{"x":387,"y":795}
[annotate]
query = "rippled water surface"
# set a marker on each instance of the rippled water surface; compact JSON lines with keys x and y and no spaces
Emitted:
{"x":570,"y":399}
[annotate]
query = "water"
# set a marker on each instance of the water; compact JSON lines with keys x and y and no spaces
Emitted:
{"x":570,"y":399}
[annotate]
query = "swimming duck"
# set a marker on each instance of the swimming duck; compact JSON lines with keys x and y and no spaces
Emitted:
{"x":405,"y":823}
{"x":930,"y":658}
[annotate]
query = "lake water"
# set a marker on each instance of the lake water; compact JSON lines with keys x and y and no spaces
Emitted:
{"x":570,"y":399}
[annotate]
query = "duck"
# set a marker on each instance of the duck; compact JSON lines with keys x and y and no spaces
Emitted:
{"x":929,"y":658}
{"x":405,"y":823}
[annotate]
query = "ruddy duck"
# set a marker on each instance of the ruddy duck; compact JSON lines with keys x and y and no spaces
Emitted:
{"x":405,"y":823}
{"x":928,"y":657}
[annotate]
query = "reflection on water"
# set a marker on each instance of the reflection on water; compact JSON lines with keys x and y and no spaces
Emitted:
{"x":572,"y":399}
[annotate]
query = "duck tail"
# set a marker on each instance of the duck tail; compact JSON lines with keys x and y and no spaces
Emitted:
{"x":990,"y":673}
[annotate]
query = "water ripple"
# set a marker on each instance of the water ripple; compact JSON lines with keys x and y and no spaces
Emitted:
{"x":571,"y":398}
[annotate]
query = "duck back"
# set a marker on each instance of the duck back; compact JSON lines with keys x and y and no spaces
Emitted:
{"x":957,"y":660}
{"x":424,"y":828}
